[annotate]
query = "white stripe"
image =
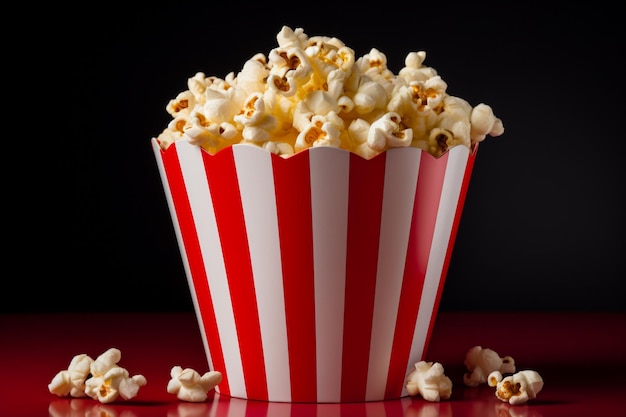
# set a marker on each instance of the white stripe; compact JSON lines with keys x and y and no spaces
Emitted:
{"x":170,"y":202}
{"x":237,"y":407}
{"x":278,"y":409}
{"x":212,"y":404}
{"x":334,"y":410}
{"x":256,"y":183}
{"x":451,"y":189}
{"x":329,"y":200}
{"x":406,"y":403}
{"x":401,"y":168}
{"x":375,"y":409}
{"x":190,"y":157}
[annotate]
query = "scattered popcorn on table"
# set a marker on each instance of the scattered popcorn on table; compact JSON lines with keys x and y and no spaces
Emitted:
{"x":189,"y":386}
{"x":429,"y":381}
{"x":108,"y":380}
{"x":314,"y":91}
{"x":72,"y":381}
{"x":517,"y":388}
{"x":481,"y":362}
{"x":101,"y":379}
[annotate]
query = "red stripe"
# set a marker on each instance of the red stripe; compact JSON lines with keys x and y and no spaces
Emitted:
{"x":455,"y":227}
{"x":194,"y":258}
{"x":222,"y":177}
{"x":426,"y":206}
{"x":354,"y":409}
{"x":293,"y":205}
{"x":364,"y":216}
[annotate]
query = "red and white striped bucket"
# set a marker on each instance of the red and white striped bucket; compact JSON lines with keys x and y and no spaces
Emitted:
{"x":315,"y":278}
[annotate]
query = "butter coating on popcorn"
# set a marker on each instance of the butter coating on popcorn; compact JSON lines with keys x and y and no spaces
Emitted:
{"x":189,"y":385}
{"x":517,"y":388}
{"x":429,"y":380}
{"x":313,"y":91}
{"x":481,"y":362}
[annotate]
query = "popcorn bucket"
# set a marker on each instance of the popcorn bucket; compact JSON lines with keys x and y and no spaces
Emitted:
{"x":314,"y":278}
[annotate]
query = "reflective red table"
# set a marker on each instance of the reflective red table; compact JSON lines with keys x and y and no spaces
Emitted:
{"x":581,"y":357}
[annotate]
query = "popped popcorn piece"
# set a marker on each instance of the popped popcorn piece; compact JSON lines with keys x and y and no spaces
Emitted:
{"x":106,"y":361}
{"x":428,"y":380}
{"x":483,"y":122}
{"x":319,"y":132}
{"x":313,"y":91}
{"x":369,"y":97}
{"x":116,"y":381}
{"x":517,"y":388}
{"x":387,"y":132}
{"x":279,"y":148}
{"x":108,"y":380}
{"x":481,"y":362}
{"x":413,"y":69}
{"x":72,"y":380}
{"x":189,"y":386}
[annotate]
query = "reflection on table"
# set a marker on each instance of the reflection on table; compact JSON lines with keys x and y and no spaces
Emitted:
{"x":474,"y":402}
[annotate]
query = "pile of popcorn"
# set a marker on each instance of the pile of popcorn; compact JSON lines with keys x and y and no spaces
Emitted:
{"x":428,"y":379}
{"x":104,"y":380}
{"x":101,"y":379}
{"x":313,"y":91}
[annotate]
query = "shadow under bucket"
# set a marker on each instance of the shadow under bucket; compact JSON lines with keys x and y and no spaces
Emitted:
{"x":315,"y":278}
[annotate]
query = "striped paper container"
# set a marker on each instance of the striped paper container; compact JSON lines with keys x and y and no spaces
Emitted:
{"x":314,"y":278}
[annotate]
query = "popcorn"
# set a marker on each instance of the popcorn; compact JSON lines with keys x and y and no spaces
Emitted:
{"x":484,"y":122}
{"x":428,"y":380}
{"x":517,"y":388}
{"x":72,"y":381}
{"x":101,"y":379}
{"x":481,"y":362}
{"x":319,"y":132}
{"x":314,"y":91}
{"x":116,"y":381}
{"x":258,"y":125}
{"x":188,"y":385}
{"x":109,"y":380}
{"x":387,"y":132}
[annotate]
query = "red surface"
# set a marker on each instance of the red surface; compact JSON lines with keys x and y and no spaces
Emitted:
{"x":581,"y":358}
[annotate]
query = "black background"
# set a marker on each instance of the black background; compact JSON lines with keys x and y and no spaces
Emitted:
{"x":87,"y":225}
